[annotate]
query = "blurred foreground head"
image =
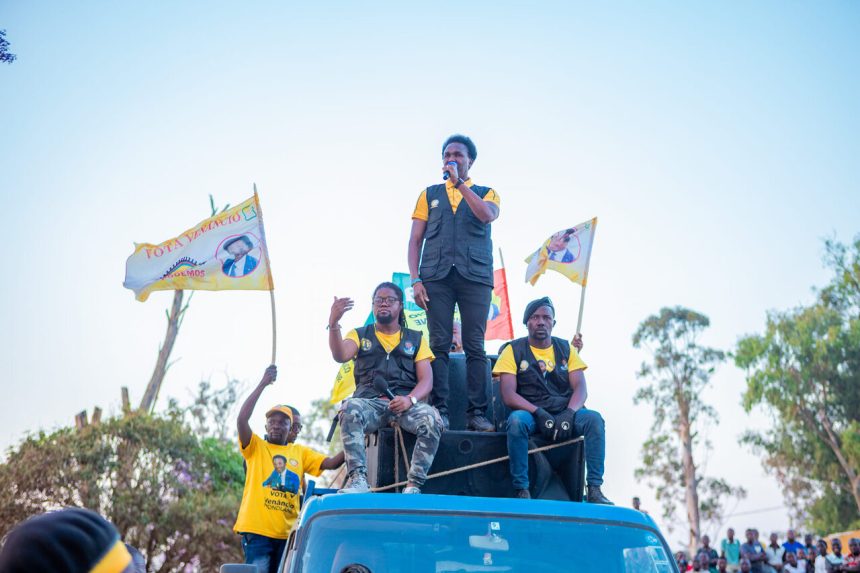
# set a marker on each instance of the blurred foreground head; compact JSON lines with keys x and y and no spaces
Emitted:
{"x":67,"y":541}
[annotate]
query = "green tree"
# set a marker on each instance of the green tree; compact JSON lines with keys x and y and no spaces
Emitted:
{"x":804,"y":373}
{"x":171,"y":493}
{"x":5,"y":56}
{"x":678,"y":372}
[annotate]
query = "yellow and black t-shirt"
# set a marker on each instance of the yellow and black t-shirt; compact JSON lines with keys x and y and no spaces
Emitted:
{"x":390,"y":341}
{"x":270,"y":502}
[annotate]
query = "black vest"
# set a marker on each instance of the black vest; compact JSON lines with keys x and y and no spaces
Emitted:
{"x":398,"y":368}
{"x":456,"y":239}
{"x":550,"y":391}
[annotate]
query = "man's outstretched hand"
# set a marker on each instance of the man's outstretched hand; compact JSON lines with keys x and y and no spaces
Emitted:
{"x":577,"y":342}
{"x":339,"y":307}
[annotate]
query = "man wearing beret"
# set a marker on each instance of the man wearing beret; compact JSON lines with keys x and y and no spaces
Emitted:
{"x":542,"y":381}
{"x":270,"y":501}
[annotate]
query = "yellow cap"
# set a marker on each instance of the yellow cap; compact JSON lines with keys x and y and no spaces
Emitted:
{"x":282,"y":409}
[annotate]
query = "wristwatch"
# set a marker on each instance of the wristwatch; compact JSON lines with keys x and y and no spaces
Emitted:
{"x":413,"y":400}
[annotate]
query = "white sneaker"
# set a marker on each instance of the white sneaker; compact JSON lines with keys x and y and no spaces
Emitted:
{"x":355,"y":483}
{"x":411,"y":489}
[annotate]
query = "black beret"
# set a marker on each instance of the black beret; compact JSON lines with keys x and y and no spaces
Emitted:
{"x":71,"y":540}
{"x":536,"y":304}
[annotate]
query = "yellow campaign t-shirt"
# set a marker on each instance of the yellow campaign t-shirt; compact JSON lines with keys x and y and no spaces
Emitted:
{"x":270,"y":502}
{"x":422,"y":209}
{"x":507,"y":365}
{"x":390,"y":341}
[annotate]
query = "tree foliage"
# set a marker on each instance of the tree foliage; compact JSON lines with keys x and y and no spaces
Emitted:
{"x":172,"y":492}
{"x":5,"y":56}
{"x":804,"y":373}
{"x":674,"y":455}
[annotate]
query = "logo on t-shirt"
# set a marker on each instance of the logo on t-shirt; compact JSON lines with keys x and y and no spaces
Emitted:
{"x":366,"y":344}
{"x":434,"y":203}
{"x":524,"y":365}
{"x":563,"y":365}
{"x":408,"y":348}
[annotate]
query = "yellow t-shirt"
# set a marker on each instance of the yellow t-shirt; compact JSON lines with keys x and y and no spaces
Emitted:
{"x":270,"y":502}
{"x":506,"y":364}
{"x":390,"y":341}
{"x":422,"y":210}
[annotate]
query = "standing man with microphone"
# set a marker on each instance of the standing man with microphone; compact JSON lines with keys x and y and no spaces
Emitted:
{"x":451,"y":239}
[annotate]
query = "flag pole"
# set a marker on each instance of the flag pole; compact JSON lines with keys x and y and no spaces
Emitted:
{"x":271,"y":282}
{"x":507,"y":296}
{"x":585,"y":277}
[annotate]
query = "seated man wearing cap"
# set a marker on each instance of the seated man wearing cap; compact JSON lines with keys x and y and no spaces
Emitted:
{"x":270,"y":501}
{"x":542,"y":381}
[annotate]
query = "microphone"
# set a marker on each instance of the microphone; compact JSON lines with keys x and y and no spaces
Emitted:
{"x":381,"y":386}
{"x":446,"y":175}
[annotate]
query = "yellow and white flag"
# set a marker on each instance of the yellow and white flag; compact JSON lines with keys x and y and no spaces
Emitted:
{"x":224,"y":252}
{"x":567,"y":251}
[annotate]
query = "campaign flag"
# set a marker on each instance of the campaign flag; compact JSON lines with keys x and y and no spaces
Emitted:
{"x":499,"y":325}
{"x":567,"y":252}
{"x":224,"y":252}
{"x":344,"y":382}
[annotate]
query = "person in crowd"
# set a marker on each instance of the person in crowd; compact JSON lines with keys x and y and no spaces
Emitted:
{"x":753,"y":552}
{"x":393,"y":377}
{"x":746,"y":566}
{"x":709,"y":553}
{"x":73,"y":539}
{"x":637,"y":503}
{"x":681,"y":561}
{"x":700,"y":563}
{"x":808,"y":542}
{"x":296,"y":426}
{"x":267,"y":513}
{"x":731,"y":550}
{"x":792,"y":565}
{"x":722,"y":565}
{"x":450,"y":238}
{"x":810,"y":555}
{"x":543,"y":384}
{"x":835,"y":560}
{"x":852,"y":560}
{"x":775,"y":553}
{"x":821,"y":558}
{"x":792,"y":544}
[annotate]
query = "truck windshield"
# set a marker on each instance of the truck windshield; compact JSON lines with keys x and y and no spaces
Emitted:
{"x":446,"y":542}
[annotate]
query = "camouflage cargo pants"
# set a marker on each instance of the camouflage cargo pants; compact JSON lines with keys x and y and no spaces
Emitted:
{"x":360,"y":416}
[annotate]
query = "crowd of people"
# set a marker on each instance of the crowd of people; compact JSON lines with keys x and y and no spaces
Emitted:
{"x":754,"y":556}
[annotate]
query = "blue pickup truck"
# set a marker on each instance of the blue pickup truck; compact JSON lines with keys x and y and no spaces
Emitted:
{"x":448,"y":534}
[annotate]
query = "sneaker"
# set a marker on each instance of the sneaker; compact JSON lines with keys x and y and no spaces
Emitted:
{"x":355,"y":483}
{"x":480,"y":424}
{"x":596,"y":496}
{"x":411,"y":489}
{"x":523,"y":494}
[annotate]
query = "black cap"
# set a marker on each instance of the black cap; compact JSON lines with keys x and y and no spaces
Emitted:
{"x":71,"y":540}
{"x":536,"y":304}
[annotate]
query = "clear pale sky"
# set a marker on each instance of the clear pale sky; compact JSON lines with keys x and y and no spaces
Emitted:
{"x":717,"y":143}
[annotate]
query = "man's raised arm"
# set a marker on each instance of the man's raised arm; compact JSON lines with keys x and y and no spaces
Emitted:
{"x":269,"y":376}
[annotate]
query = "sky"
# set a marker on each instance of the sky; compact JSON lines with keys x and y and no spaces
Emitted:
{"x":716,"y":143}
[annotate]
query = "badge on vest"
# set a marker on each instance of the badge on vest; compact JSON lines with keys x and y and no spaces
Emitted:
{"x":408,"y":348}
{"x":366,"y":344}
{"x":563,"y":365}
{"x":434,"y":203}
{"x":524,"y":365}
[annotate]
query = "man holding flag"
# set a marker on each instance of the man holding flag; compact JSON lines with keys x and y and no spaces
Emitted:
{"x":451,"y":238}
